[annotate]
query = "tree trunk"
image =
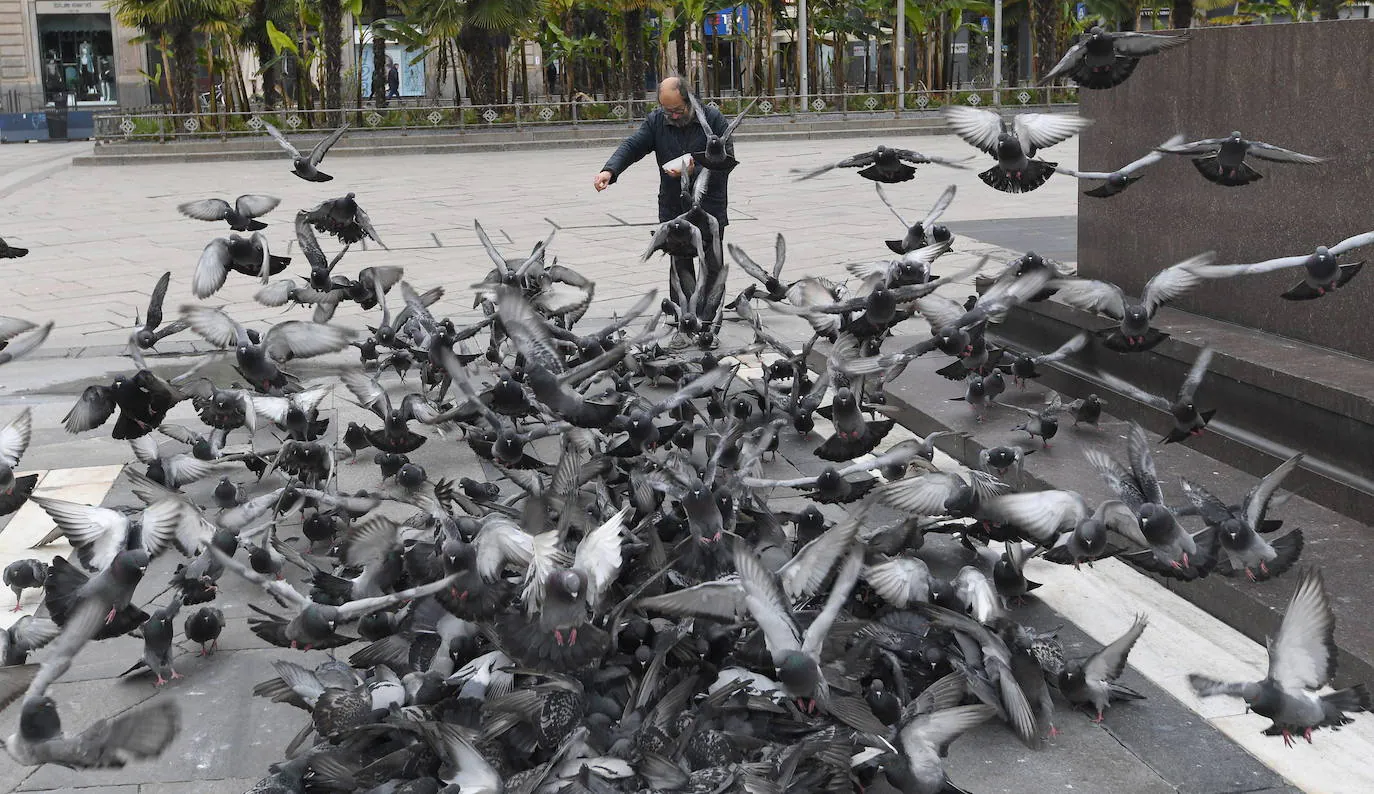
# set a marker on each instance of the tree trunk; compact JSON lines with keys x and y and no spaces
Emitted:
{"x":262,"y":46}
{"x":1181,"y":14}
{"x":479,"y":52}
{"x":377,"y":11}
{"x":1329,"y":8}
{"x":634,"y":53}
{"x":185,"y":68}
{"x":331,"y":22}
{"x":1045,"y":19}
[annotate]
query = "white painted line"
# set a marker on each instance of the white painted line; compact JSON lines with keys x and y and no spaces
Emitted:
{"x":1183,"y":639}
{"x":87,"y":485}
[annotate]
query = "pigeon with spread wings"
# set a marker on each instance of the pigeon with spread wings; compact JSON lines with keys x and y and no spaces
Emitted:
{"x":884,"y":164}
{"x":1302,"y":660}
{"x":1104,"y":59}
{"x":1222,"y":160}
{"x":307,"y":167}
{"x":1114,"y":182}
{"x":242,"y":215}
{"x":1322,"y":272}
{"x":1014,"y":143}
{"x":1134,"y":333}
{"x":922,"y":232}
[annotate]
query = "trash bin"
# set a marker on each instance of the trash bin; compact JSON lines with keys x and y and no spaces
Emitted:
{"x":57,"y":118}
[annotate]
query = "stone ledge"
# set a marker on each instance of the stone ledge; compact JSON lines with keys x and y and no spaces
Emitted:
{"x":1333,"y":542}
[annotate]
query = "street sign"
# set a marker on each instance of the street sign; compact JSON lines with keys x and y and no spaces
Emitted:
{"x":1082,"y":10}
{"x":985,"y":22}
{"x":961,"y":48}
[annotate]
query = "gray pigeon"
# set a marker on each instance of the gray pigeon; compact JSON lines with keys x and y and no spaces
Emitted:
{"x":923,"y":232}
{"x":1114,"y":182}
{"x":1302,"y":660}
{"x":1092,"y":681}
{"x":251,"y":256}
{"x":23,"y":574}
{"x":8,"y":251}
{"x":157,"y":643}
{"x":343,"y":218}
{"x":1239,"y":530}
{"x":258,"y":362}
{"x":1322,"y":273}
{"x":307,"y":168}
{"x":241,"y":215}
{"x":1103,"y":59}
{"x":1134,"y":334}
{"x":924,"y":740}
{"x":139,"y":734}
{"x":1014,"y":143}
{"x":1222,"y":160}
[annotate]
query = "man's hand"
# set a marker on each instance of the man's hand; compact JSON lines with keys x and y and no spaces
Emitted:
{"x":602,"y":181}
{"x":674,"y":168}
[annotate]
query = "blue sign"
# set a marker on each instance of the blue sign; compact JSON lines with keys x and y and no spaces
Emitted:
{"x":1082,"y":10}
{"x":727,"y":21}
{"x":985,"y":22}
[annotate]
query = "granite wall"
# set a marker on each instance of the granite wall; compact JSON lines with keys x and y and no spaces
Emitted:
{"x":1308,"y":87}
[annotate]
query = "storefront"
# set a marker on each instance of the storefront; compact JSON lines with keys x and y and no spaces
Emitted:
{"x":74,"y":53}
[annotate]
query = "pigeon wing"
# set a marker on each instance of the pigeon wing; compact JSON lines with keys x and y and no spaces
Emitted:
{"x":1278,"y":154}
{"x":1108,"y":663}
{"x":299,"y":339}
{"x":211,"y":209}
{"x":1136,"y":45}
{"x":1257,"y":500}
{"x":768,"y":604}
{"x":1039,"y":515}
{"x":14,"y":438}
{"x":281,"y":140}
{"x":212,"y":268}
{"x":598,"y":555}
{"x":1171,"y":282}
{"x":1351,"y":243}
{"x":1303,"y":655}
{"x":1195,"y":374}
{"x":1070,"y":60}
{"x":1091,"y":295}
{"x":1043,"y":130}
{"x":978,"y":128}
{"x":317,"y":154}
{"x":252,"y":205}
{"x":309,"y":244}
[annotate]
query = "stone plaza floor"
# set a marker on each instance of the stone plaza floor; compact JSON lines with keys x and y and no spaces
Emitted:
{"x":101,"y":236}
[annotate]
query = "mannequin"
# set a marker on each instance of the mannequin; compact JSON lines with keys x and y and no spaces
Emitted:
{"x":52,"y":73}
{"x":86,"y":58}
{"x":106,"y":78}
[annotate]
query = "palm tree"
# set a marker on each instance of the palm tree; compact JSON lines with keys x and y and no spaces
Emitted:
{"x":482,"y":31}
{"x":179,"y":20}
{"x":1045,"y":21}
{"x":377,"y":10}
{"x":255,"y":35}
{"x":331,"y":35}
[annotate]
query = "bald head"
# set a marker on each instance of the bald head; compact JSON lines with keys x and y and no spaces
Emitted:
{"x":673,"y":95}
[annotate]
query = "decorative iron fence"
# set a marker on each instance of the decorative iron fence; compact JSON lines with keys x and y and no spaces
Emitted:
{"x":145,"y":125}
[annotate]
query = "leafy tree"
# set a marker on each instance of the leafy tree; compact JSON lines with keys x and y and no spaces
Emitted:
{"x":179,"y":21}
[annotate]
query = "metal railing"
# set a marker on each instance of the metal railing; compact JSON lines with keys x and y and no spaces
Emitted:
{"x":152,"y":125}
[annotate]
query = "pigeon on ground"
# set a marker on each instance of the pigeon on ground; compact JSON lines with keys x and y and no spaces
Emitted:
{"x":1014,"y":143}
{"x":22,"y":575}
{"x":1104,"y":59}
{"x":922,"y":232}
{"x":1093,"y":681}
{"x":1188,"y":420}
{"x":1024,"y":366}
{"x":1222,"y":160}
{"x":924,"y":741}
{"x":139,"y":734}
{"x":203,"y":627}
{"x":1323,"y":273}
{"x":242,"y":215}
{"x":1302,"y":660}
{"x":69,"y":592}
{"x":1239,"y":530}
{"x":1134,"y":334}
{"x":158,"y":650}
{"x":8,"y":251}
{"x":1115,"y":182}
{"x":1085,"y":409}
{"x":307,"y":168}
{"x":883,"y":164}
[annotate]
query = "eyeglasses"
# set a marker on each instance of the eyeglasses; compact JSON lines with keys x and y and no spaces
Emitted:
{"x":676,"y":112}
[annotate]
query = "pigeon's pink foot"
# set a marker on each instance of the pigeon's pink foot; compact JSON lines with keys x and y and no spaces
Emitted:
{"x":160,"y":681}
{"x":1307,"y":734}
{"x":1098,"y":718}
{"x":110,"y":617}
{"x":1054,"y":732}
{"x":1249,"y":574}
{"x":1287,"y":739}
{"x":17,"y":607}
{"x":558,"y":636}
{"x":176,"y":675}
{"x":1264,"y":568}
{"x":572,"y":637}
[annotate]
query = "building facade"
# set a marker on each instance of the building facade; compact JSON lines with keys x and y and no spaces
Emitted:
{"x":73,"y":51}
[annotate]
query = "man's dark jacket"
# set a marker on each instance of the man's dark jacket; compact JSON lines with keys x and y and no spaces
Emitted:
{"x":668,"y":142}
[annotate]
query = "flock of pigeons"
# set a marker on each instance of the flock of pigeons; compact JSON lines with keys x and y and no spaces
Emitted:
{"x":625,"y":607}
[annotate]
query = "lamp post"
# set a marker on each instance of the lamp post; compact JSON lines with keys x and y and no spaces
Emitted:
{"x":802,"y":53}
{"x":997,"y":53}
{"x":899,"y":53}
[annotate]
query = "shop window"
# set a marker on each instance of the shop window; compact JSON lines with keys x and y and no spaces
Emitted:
{"x":77,"y":51}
